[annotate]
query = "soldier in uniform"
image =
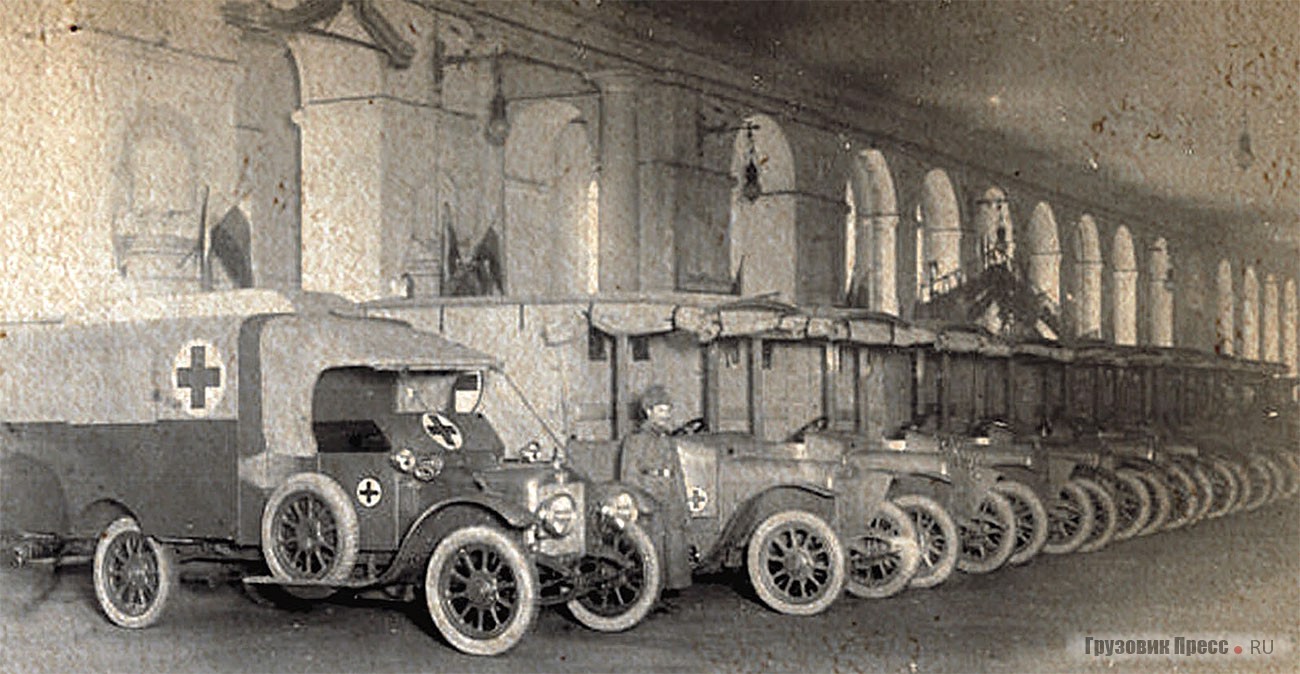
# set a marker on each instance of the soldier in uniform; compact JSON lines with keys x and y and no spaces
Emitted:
{"x":649,"y":460}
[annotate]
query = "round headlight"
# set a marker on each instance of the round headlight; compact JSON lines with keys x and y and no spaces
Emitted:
{"x":403,"y":459}
{"x":428,"y":468}
{"x":558,"y":514}
{"x":623,"y":507}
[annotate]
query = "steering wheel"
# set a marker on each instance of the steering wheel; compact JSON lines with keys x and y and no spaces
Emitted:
{"x":692,"y":427}
{"x":816,"y":425}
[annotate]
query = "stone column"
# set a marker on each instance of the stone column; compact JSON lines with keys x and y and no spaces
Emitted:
{"x":884,"y":260}
{"x":1089,"y":302}
{"x":1125,"y":309}
{"x":620,"y":244}
{"x":1270,"y":325}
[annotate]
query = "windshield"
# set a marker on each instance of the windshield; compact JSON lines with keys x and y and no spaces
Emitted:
{"x":492,"y":394}
{"x":522,"y":430}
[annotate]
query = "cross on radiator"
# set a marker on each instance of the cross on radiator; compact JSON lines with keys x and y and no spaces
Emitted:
{"x":198,"y":377}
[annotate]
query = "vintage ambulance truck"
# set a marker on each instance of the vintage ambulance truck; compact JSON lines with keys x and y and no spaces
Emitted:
{"x":311,"y":447}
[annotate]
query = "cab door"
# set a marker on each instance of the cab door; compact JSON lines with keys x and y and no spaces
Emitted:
{"x":355,"y":453}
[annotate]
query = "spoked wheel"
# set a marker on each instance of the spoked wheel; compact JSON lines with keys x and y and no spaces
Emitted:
{"x":310,"y":530}
{"x":796,"y":563}
{"x":1261,"y":483}
{"x":1070,"y":518}
{"x":936,"y":537}
{"x":626,"y":580}
{"x":1182,"y":497}
{"x":1105,"y":515}
{"x":1279,"y":477}
{"x":1031,"y":520}
{"x":884,"y":558}
{"x":1224,"y":488}
{"x":133,"y":575}
{"x":1204,"y":488}
{"x":1161,"y":504}
{"x":989,"y":537}
{"x":481,"y":590}
{"x":1132,"y":504}
{"x":1238,"y":469}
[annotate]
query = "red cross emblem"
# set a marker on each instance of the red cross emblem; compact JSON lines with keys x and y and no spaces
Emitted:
{"x":697,"y":500}
{"x":442,"y":430}
{"x":369,"y":492}
{"x":199,"y":381}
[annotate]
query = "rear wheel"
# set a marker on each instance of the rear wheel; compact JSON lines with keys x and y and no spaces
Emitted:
{"x":627,"y":581}
{"x":1070,"y":518}
{"x":988,"y":538}
{"x":133,"y":575}
{"x":883,"y":560}
{"x":1261,"y":483}
{"x":481,"y":590}
{"x":936,"y":537}
{"x":1031,"y":520}
{"x":796,"y":563}
{"x":1105,"y":515}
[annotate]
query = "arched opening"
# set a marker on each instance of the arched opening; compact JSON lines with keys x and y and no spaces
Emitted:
{"x":551,"y":197}
{"x":1250,"y":315}
{"x":994,"y":227}
{"x":1160,"y":291}
{"x":874,"y":281}
{"x":1087,"y":286}
{"x":1224,"y":324}
{"x":1124,"y":275}
{"x":938,"y":239}
{"x":1290,"y":324}
{"x":763,"y":249}
{"x":1271,"y":325}
{"x":1045,"y":254}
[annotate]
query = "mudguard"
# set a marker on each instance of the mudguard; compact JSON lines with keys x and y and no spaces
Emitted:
{"x":421,"y":536}
{"x":729,"y":550}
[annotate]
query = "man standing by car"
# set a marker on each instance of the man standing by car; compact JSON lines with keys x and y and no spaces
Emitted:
{"x":649,"y":460}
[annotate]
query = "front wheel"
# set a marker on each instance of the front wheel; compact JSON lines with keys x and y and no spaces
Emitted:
{"x":1070,"y":518}
{"x":936,"y":536}
{"x":481,"y":590}
{"x":1132,"y":504}
{"x":883,"y":560}
{"x":628,"y":578}
{"x":1031,"y":520}
{"x":133,"y":575}
{"x":989,"y":537}
{"x":796,"y":563}
{"x":1105,"y":515}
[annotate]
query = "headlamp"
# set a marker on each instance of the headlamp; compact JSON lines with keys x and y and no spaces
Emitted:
{"x":428,"y":468}
{"x":403,"y":459}
{"x":558,"y":514}
{"x":622,"y":508}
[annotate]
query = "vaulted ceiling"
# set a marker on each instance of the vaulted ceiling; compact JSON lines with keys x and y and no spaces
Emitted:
{"x":1186,"y":114}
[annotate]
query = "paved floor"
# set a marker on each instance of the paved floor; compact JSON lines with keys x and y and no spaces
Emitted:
{"x":1236,"y":578}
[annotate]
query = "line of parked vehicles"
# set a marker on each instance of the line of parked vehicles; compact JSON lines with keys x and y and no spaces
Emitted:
{"x":313,"y":447}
